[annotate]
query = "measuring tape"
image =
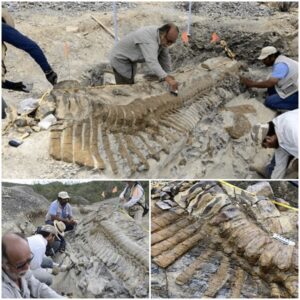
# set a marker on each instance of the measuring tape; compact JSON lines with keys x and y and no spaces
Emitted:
{"x":253,"y":194}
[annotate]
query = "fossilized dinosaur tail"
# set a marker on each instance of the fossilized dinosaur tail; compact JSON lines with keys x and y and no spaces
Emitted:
{"x":121,"y":134}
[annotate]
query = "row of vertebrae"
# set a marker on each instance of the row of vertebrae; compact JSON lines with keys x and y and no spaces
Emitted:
{"x":125,"y":259}
{"x":98,"y":132}
{"x":226,"y":223}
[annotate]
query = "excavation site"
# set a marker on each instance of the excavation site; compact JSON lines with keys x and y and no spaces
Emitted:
{"x":104,"y":130}
{"x":106,"y":255}
{"x":224,"y":239}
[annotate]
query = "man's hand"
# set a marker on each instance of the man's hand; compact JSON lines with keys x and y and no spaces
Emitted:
{"x":51,"y":77}
{"x":171,"y":82}
{"x":247,"y":82}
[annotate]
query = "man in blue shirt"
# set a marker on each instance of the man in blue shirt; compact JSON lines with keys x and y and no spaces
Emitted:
{"x":13,"y":37}
{"x":61,"y":210}
{"x":282,"y":85}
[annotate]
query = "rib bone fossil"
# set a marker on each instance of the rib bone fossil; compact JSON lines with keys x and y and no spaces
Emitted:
{"x":236,"y":228}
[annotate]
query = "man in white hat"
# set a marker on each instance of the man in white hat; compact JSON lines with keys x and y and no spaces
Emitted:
{"x":45,"y":235}
{"x":61,"y":210}
{"x":282,"y":85}
{"x":282,"y":135}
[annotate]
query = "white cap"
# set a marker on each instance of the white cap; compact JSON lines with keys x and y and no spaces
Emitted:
{"x":259,"y":132}
{"x":266,"y":51}
{"x":63,"y":195}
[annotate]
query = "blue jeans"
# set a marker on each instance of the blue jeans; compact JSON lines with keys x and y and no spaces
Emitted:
{"x":273,"y":101}
{"x":270,"y":167}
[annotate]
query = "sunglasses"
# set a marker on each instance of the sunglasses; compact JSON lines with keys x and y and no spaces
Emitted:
{"x":22,"y":265}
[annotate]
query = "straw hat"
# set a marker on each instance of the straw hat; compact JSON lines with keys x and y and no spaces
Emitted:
{"x":50,"y":229}
{"x":60,"y":227}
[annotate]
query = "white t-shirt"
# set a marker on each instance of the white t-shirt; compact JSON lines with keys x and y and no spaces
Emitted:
{"x":37,"y":244}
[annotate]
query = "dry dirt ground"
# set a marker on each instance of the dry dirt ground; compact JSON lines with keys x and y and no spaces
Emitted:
{"x":90,"y":45}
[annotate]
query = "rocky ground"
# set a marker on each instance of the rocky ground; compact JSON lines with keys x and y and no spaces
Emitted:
{"x":245,"y":26}
{"x":108,"y":251}
{"x":193,"y":252}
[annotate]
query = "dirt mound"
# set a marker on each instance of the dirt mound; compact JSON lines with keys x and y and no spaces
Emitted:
{"x":246,"y":45}
{"x":67,"y":7}
{"x":19,"y":205}
{"x":227,"y":9}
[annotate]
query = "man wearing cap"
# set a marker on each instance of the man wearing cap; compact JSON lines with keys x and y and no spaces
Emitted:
{"x":46,"y":235}
{"x":61,"y":210}
{"x":282,"y":85}
{"x":59,"y":243}
{"x":150,"y":45}
{"x":17,"y":279}
{"x":282,"y":135}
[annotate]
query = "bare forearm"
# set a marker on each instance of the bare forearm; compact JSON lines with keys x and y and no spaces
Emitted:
{"x":263,"y":84}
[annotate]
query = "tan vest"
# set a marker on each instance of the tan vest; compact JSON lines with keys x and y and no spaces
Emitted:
{"x":288,"y":85}
{"x":128,"y":194}
{"x":7,"y":18}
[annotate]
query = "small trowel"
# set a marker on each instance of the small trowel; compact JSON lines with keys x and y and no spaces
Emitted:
{"x":175,"y":93}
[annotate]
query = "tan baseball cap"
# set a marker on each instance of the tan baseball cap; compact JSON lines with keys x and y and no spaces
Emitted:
{"x":266,"y":51}
{"x":63,"y":195}
{"x":50,"y":229}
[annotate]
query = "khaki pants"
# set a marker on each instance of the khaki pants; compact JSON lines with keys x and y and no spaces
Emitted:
{"x":136,"y":212}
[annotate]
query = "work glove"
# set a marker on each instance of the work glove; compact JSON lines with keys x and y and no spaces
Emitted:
{"x":15,"y":86}
{"x":51,"y":77}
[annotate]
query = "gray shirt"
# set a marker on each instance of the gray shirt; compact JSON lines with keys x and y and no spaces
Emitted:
{"x":30,"y":288}
{"x":142,"y":45}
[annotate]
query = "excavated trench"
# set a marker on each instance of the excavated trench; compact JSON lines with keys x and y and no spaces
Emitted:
{"x":209,"y":240}
{"x":143,"y":130}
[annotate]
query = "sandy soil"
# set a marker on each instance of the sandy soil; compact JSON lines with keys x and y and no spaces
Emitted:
{"x":89,"y":45}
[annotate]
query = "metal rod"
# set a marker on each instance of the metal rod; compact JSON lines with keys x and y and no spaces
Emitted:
{"x":115,"y":21}
{"x":189,"y":18}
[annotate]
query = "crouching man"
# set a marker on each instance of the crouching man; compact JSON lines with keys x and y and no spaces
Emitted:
{"x":282,"y":135}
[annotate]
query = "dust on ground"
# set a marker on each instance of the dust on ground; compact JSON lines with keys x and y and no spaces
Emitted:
{"x":54,"y":25}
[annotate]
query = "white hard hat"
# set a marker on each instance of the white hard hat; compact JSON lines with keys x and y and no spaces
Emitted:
{"x":266,"y":51}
